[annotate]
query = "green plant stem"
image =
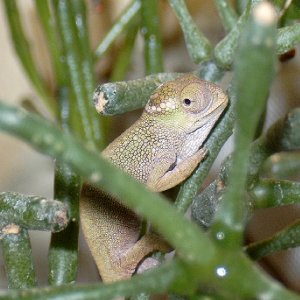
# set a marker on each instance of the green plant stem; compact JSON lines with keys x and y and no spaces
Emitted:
{"x":50,"y":30}
{"x":119,"y":26}
{"x":174,"y":277}
{"x":89,"y":131}
{"x":225,"y":50}
{"x":281,"y":165}
{"x":210,"y":71}
{"x":198,"y":46}
{"x":253,"y":52}
{"x":22,"y":49}
{"x":241,"y":5}
{"x":123,"y":96}
{"x":227,"y":14}
{"x":32,"y":212}
{"x":123,"y":60}
{"x":282,"y":136}
{"x":19,"y":213}
{"x":287,"y":38}
{"x":284,"y":239}
{"x":159,"y":280}
{"x":16,"y":250}
{"x":49,"y":140}
{"x":79,"y":13}
{"x":152,"y":36}
{"x":271,"y":192}
{"x":63,"y":257}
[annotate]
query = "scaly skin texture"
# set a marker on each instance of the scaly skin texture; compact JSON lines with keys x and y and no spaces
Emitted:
{"x":161,"y":149}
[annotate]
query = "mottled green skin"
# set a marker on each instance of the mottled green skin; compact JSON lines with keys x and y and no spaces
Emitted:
{"x":133,"y":152}
{"x":161,"y":149}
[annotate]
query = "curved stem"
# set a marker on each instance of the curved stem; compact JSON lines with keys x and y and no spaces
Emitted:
{"x":197,"y":44}
{"x":120,"y":25}
{"x":272,"y":192}
{"x":284,"y":239}
{"x":227,"y":14}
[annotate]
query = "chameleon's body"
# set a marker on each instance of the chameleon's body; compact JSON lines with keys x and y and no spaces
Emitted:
{"x":160,"y":150}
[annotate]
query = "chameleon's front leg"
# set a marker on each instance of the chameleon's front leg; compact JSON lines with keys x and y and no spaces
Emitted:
{"x":168,"y":172}
{"x":112,"y":233}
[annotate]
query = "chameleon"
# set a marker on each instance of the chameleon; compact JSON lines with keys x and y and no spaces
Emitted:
{"x":161,"y":149}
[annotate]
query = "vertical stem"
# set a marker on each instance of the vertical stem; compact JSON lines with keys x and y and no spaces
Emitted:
{"x":79,"y":14}
{"x":83,"y":105}
{"x":152,"y":37}
{"x":63,"y":257}
{"x":256,"y":48}
{"x":22,"y":48}
{"x":63,"y":252}
{"x":123,"y":60}
{"x":54,"y":44}
{"x":17,"y":255}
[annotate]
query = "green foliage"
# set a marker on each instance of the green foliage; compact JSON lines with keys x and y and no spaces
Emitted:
{"x":206,"y":264}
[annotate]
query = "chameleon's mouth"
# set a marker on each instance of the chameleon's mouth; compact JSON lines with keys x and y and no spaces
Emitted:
{"x":197,"y":128}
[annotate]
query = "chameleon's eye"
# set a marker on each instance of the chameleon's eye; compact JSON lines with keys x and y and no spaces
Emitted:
{"x":195,"y":98}
{"x":187,"y":101}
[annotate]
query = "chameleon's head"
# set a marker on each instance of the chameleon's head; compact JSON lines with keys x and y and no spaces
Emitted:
{"x":188,"y":102}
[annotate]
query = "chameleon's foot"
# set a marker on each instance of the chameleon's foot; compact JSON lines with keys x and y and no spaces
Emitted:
{"x":135,"y":259}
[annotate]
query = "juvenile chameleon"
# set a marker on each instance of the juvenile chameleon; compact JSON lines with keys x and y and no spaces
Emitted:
{"x":161,"y":149}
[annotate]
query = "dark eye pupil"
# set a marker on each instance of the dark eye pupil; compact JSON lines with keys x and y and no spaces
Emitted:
{"x":187,"y":101}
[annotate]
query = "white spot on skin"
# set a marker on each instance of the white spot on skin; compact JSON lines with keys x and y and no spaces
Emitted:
{"x":153,"y":108}
{"x":162,"y":105}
